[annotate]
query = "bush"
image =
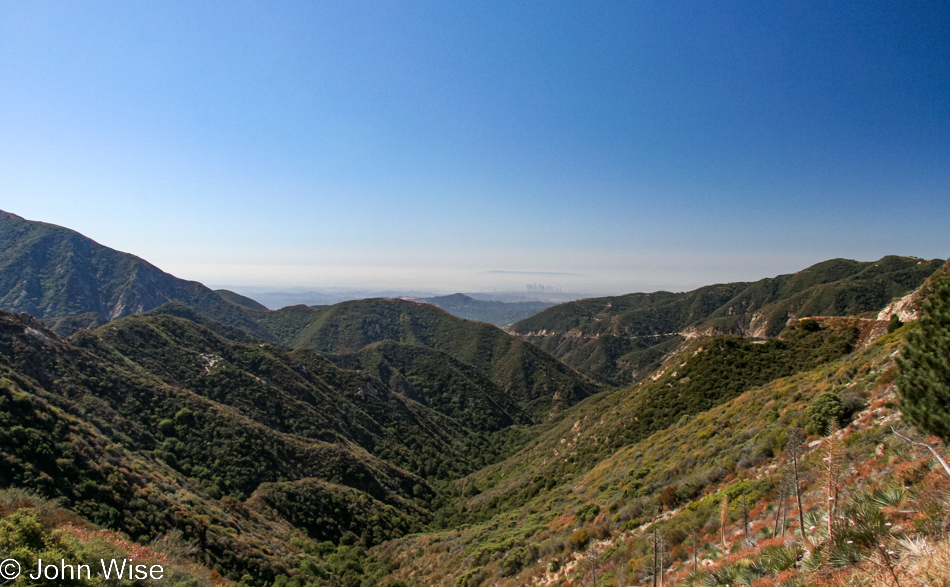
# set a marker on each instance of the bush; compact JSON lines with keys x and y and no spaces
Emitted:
{"x":852,"y":402}
{"x":587,"y":512}
{"x":579,"y":539}
{"x":894,"y":324}
{"x":821,"y":410}
{"x":809,"y":325}
{"x":669,"y":498}
{"x":166,"y":427}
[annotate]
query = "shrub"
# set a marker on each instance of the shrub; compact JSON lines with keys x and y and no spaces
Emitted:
{"x":821,"y":410}
{"x":669,"y":498}
{"x":166,"y":427}
{"x":894,"y":324}
{"x":579,"y":538}
{"x":587,"y":512}
{"x":852,"y":402}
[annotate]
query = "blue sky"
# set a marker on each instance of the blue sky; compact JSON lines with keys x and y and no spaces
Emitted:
{"x":633,"y":145}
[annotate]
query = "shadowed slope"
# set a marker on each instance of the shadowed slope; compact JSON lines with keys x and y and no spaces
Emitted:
{"x":528,"y":376}
{"x":52,"y":272}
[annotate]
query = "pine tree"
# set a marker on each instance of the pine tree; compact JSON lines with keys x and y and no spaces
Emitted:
{"x":924,"y":379}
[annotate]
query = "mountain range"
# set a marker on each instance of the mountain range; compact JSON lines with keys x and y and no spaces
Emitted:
{"x":388,"y":442}
{"x":619,"y":339}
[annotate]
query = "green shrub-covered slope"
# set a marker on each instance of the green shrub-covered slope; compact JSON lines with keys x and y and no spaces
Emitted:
{"x":155,"y":424}
{"x":529,"y":377}
{"x":708,"y":374}
{"x":582,"y":500}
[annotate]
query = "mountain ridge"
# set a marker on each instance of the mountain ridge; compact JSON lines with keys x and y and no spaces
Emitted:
{"x":52,"y":272}
{"x":619,"y":339}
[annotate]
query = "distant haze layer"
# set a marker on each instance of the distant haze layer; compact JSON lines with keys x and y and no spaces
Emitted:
{"x":612,"y":274}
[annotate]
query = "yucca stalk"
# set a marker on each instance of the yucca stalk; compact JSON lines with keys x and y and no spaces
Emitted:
{"x":656,"y":556}
{"x":794,"y":443}
{"x":782,"y":489}
{"x":788,"y":491}
{"x":745,"y":521}
{"x":831,"y":457}
{"x":723,"y":520}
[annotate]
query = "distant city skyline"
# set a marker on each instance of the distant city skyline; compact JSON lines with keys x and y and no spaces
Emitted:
{"x":601,"y":148}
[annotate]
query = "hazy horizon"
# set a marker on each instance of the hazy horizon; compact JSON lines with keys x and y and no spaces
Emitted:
{"x":598,"y":148}
{"x":684,"y":276}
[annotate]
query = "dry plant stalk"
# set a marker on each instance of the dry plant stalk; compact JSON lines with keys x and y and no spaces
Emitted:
{"x":830,"y":450}
{"x":795,"y":440}
{"x":745,"y":521}
{"x":656,"y":555}
{"x":786,"y":506}
{"x":723,"y":519}
{"x":886,"y":563}
{"x":782,"y":492}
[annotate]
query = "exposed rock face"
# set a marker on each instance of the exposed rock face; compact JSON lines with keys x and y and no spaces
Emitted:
{"x":906,"y":309}
{"x":758,"y":326}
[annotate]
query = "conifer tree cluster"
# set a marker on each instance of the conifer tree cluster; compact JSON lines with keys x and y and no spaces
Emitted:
{"x":924,"y":379}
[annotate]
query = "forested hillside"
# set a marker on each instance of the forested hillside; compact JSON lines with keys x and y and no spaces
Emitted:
{"x":619,"y":339}
{"x":160,"y":406}
{"x":528,"y":376}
